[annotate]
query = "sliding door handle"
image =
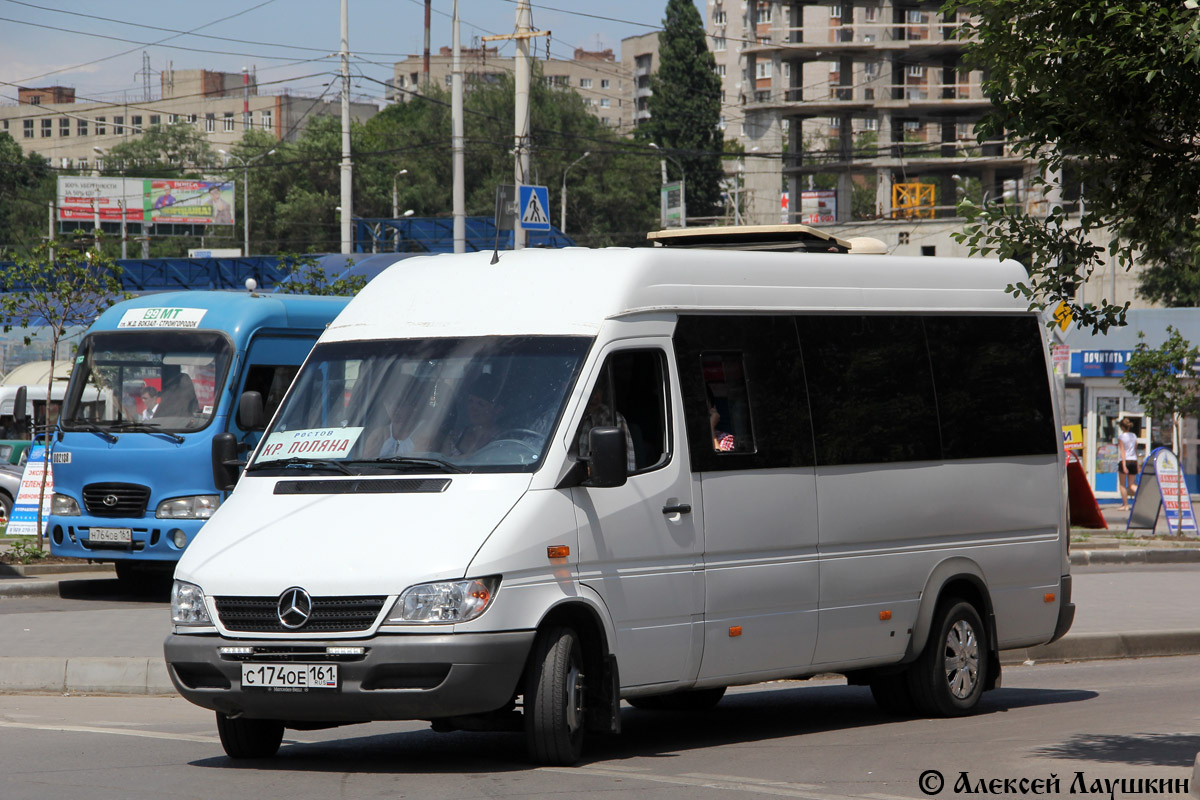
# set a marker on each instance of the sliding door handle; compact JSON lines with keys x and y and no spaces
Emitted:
{"x":682,"y":508}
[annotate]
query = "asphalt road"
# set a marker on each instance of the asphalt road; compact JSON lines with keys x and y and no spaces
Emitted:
{"x":1132,"y":719}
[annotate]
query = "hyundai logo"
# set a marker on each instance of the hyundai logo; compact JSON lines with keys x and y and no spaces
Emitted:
{"x":295,"y":608}
{"x":111,"y":500}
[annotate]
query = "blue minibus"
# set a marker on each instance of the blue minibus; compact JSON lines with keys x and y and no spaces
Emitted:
{"x":167,"y":392}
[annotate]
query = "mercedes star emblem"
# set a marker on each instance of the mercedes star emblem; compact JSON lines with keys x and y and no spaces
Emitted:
{"x":295,"y":607}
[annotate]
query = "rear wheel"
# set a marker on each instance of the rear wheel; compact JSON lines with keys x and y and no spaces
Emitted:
{"x":6,"y":504}
{"x":249,"y":738}
{"x":948,"y":678}
{"x":554,"y":699}
{"x":695,"y":700}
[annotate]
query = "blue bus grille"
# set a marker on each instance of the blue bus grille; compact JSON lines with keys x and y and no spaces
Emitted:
{"x":329,"y":614}
{"x":116,"y":499}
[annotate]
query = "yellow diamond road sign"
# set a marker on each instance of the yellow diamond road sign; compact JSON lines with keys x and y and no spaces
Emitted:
{"x":1062,"y":315}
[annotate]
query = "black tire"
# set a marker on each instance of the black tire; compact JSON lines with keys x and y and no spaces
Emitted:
{"x":893,"y":695}
{"x":249,"y":738}
{"x":6,"y":504}
{"x":694,"y":700}
{"x":947,"y":679}
{"x":554,"y":699}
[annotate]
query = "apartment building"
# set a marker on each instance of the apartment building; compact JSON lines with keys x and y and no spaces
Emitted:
{"x":55,"y":123}
{"x":640,"y":55}
{"x":597,"y":76}
{"x":874,"y":93}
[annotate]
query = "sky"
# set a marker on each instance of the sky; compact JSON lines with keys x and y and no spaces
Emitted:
{"x":97,"y":47}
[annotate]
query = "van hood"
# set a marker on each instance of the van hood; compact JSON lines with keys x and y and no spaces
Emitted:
{"x":277,"y":532}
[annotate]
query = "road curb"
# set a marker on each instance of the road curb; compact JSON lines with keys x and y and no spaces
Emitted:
{"x":49,"y":586}
{"x":1104,"y":646}
{"x":1188,"y":555}
{"x":34,"y":570}
{"x":148,"y":676}
{"x":84,"y":675}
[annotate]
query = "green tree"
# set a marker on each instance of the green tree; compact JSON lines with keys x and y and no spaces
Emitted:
{"x":685,"y":106}
{"x":1163,"y":378}
{"x":48,"y":295}
{"x":163,"y":151}
{"x":1103,"y":91}
{"x":27,"y":185}
{"x":306,"y":276}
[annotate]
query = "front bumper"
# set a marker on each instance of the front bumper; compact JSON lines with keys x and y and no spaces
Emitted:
{"x":152,"y":538}
{"x":419,"y":676}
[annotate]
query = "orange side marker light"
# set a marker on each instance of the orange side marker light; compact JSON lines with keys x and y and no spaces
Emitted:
{"x":735,"y":630}
{"x":558,"y":551}
{"x":1049,"y":597}
{"x":885,"y":615}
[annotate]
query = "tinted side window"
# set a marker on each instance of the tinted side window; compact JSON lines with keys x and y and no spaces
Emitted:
{"x":871,"y":389}
{"x":752,"y":368}
{"x":993,"y":391}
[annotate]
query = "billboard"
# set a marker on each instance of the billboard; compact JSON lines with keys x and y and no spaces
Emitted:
{"x":149,"y":200}
{"x":817,"y":207}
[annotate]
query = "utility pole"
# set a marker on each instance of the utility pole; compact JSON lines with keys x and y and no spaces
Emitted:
{"x":50,"y":240}
{"x":521,"y":78}
{"x":347,"y":168}
{"x":456,"y":144}
{"x":425,"y":85}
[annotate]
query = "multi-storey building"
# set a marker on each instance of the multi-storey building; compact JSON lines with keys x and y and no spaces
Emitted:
{"x":76,"y":134}
{"x":873,"y":93}
{"x":597,"y":76}
{"x":639,"y":54}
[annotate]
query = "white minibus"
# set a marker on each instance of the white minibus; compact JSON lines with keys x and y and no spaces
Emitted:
{"x":508,"y":496}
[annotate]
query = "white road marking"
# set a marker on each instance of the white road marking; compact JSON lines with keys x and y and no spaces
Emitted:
{"x":728,"y":783}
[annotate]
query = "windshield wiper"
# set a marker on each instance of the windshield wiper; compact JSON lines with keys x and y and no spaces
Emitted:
{"x":296,"y":461}
{"x":445,"y":466}
{"x":142,"y":427}
{"x":90,"y":427}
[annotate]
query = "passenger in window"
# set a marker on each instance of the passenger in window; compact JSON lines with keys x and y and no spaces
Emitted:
{"x":483,"y":410}
{"x":599,"y":415}
{"x":404,"y":431}
{"x":722,"y":442}
{"x":178,"y":397}
{"x":149,"y":402}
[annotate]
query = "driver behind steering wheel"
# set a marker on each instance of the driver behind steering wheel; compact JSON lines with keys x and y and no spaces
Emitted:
{"x":483,"y":410}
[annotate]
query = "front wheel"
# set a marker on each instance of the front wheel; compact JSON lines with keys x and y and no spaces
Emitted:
{"x":554,"y":699}
{"x":948,"y":678}
{"x":249,"y":738}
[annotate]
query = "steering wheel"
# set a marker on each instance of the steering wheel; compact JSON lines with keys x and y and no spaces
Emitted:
{"x":516,"y":435}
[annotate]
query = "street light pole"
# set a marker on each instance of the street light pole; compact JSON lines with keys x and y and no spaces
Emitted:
{"x":563,"y":225}
{"x":682,"y":182}
{"x":246,"y":196}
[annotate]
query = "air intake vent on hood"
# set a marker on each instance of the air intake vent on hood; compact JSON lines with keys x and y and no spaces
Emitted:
{"x":378,"y":486}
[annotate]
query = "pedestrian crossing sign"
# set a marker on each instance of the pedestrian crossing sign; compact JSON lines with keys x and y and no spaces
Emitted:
{"x":535,"y":208}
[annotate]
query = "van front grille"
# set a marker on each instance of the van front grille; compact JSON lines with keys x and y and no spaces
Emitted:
{"x":116,"y":499}
{"x":329,"y":614}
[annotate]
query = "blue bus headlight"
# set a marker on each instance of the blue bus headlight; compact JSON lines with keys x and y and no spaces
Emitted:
{"x":200,"y":506}
{"x":62,"y":505}
{"x":187,"y":605}
{"x":444,"y":602}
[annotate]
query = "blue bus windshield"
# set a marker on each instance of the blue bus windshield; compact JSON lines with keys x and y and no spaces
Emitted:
{"x":160,"y":379}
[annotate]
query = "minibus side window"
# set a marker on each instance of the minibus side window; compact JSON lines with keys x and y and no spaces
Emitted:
{"x":992,"y":386}
{"x":871,"y":389}
{"x":632,"y":384}
{"x":751,"y":367}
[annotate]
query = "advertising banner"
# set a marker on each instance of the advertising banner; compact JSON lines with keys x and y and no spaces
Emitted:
{"x":150,"y":200}
{"x":23,"y":521}
{"x":1161,"y":488}
{"x":817,"y":207}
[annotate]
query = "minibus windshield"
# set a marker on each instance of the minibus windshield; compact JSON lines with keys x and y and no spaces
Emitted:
{"x":478,"y":404}
{"x":147,"y":381}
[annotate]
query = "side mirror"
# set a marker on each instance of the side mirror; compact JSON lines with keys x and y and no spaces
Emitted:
{"x":225,"y":461}
{"x":250,"y":412}
{"x":608,"y":465}
{"x":20,"y":412}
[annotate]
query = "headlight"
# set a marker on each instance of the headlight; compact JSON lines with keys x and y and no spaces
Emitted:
{"x":444,"y":602}
{"x":187,"y":605}
{"x":200,"y":506}
{"x":62,"y":505}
